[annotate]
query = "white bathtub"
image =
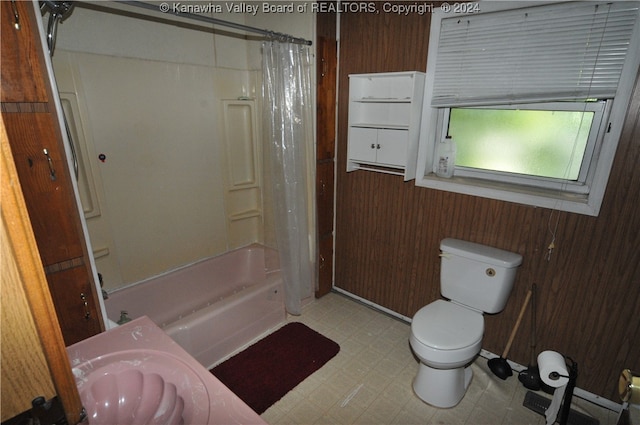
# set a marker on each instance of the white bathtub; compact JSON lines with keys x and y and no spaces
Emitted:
{"x":213,"y":307}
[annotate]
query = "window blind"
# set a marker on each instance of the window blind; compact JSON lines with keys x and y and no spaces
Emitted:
{"x":564,"y":51}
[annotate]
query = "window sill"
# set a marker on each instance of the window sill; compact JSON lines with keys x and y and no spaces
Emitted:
{"x":546,"y":198}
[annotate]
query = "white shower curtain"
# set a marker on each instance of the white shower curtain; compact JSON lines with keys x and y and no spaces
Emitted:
{"x":288,"y":128}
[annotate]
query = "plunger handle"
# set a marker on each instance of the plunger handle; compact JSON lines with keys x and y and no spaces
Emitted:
{"x":517,"y":325}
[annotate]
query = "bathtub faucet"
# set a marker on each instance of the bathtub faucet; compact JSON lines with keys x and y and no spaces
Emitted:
{"x":123,"y":318}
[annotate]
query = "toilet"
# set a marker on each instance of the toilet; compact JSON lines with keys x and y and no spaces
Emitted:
{"x":446,"y":335}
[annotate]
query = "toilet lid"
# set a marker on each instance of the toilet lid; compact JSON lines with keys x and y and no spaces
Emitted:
{"x":447,"y":326}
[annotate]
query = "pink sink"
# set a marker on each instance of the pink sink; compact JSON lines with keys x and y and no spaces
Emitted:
{"x":141,"y":387}
{"x":136,"y":374}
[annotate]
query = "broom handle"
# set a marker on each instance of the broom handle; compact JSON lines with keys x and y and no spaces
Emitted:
{"x":533,"y":324}
{"x":517,"y":325}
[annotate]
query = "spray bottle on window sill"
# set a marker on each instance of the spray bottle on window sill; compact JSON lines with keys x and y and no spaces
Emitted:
{"x":446,"y":155}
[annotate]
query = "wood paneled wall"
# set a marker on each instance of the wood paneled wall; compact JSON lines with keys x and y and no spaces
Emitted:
{"x":388,"y":233}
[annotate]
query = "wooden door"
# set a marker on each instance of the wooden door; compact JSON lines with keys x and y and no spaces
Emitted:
{"x":72,"y":296}
{"x":34,"y":135}
{"x":326,"y":103}
{"x":325,"y":147}
{"x":45,"y":179}
{"x":34,"y":358}
{"x":22,"y":70}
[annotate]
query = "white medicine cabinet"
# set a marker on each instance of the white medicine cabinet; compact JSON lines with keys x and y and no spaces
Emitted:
{"x":384,"y":122}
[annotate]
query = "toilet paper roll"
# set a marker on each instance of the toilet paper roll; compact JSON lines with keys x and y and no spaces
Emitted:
{"x":553,"y":369}
{"x":553,"y":372}
{"x":551,"y":414}
{"x":629,"y":387}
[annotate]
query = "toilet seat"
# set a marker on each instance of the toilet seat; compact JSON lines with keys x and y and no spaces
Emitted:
{"x":457,"y":327}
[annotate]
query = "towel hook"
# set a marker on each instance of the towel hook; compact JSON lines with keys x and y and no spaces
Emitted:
{"x":16,"y":15}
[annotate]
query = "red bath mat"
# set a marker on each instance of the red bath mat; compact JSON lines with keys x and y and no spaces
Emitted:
{"x":264,"y":372}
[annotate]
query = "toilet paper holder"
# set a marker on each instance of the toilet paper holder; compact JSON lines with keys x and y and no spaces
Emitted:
{"x":554,"y":376}
{"x":558,"y":373}
{"x":566,"y":381}
{"x":568,"y":395}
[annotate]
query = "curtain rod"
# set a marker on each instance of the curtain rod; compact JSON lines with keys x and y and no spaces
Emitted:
{"x":167,"y":10}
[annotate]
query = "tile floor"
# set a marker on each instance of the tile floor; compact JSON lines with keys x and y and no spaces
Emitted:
{"x":369,"y":381}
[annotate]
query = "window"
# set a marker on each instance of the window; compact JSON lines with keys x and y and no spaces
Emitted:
{"x":509,"y":87}
{"x":547,"y":145}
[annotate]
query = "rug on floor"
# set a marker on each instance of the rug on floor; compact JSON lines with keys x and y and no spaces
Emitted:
{"x":267,"y":370}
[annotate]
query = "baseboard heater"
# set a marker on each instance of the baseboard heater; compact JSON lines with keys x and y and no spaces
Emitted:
{"x":540,"y":404}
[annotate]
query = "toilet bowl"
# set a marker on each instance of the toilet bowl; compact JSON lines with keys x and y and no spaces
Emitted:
{"x":445,"y":351}
{"x":446,"y":335}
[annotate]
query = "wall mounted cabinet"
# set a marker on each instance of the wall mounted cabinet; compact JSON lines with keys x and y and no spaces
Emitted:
{"x":384,"y":122}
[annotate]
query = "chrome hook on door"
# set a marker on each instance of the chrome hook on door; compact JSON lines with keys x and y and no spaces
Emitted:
{"x":52,"y":171}
{"x":87,"y":312}
{"x":16,"y":15}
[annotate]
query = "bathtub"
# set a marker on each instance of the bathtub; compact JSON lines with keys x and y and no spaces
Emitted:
{"x":213,"y":307}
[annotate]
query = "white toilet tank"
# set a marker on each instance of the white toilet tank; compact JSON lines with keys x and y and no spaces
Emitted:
{"x":477,"y":276}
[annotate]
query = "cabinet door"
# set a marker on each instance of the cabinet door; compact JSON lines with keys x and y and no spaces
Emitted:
{"x":22,"y":70}
{"x":362,"y":144}
{"x":393,"y":147}
{"x":76,"y":306}
{"x":46,"y":184}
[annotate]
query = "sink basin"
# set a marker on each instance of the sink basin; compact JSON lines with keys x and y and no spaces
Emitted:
{"x":141,"y":387}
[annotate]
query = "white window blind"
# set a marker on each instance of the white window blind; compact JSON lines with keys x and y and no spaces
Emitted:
{"x":565,"y":51}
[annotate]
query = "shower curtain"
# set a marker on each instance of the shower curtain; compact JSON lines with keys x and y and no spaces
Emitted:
{"x":286,"y":86}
